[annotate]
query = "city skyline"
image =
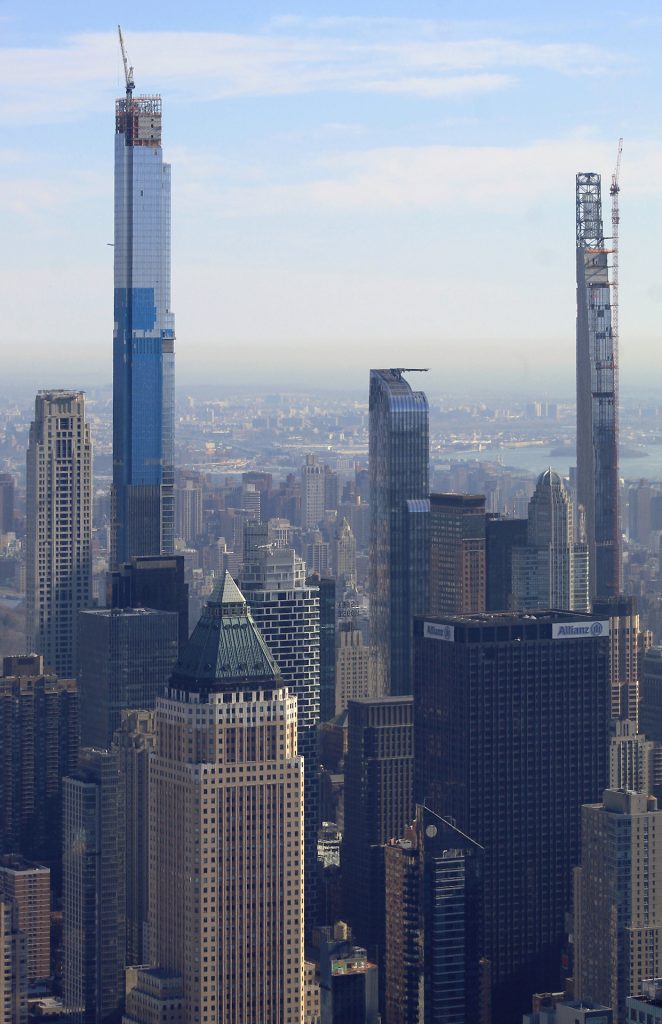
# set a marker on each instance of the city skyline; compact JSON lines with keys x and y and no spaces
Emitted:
{"x":353,"y":164}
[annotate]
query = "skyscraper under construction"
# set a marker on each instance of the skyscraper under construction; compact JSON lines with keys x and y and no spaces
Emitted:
{"x":597,"y":393}
{"x":144,"y":334}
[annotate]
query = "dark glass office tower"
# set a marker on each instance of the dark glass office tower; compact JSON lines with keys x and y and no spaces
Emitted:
{"x":7,"y":487}
{"x":511,"y":721}
{"x":125,"y":658}
{"x":501,"y":536}
{"x":38,"y":746}
{"x":379,"y":805}
{"x":597,"y":395}
{"x":94,"y":919}
{"x":151,"y":582}
{"x":399,"y":470}
{"x":143,"y":337}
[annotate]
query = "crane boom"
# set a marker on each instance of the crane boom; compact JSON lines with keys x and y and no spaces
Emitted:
{"x":128,"y":71}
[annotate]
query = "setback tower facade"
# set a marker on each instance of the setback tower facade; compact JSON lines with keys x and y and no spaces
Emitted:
{"x":597,"y":395}
{"x":399,"y":514}
{"x":226,"y":826}
{"x":143,"y":336}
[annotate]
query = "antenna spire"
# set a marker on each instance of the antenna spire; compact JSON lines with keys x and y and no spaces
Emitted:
{"x":128,"y":70}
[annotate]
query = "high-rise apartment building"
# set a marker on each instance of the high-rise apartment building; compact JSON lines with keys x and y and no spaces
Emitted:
{"x":7,"y":488}
{"x":635,"y":762}
{"x":457,"y":554}
{"x":28,"y":887}
{"x":143,"y":512}
{"x":550,"y":570}
{"x":399,"y":513}
{"x":628,"y":644}
{"x":286,"y":610}
{"x":433,"y":907}
{"x":597,"y":395}
{"x":188,"y":509}
{"x":151,"y":582}
{"x":38,"y":746}
{"x":135,"y":740}
{"x":344,"y":557}
{"x":93,"y":889}
{"x":511,"y":737}
{"x":618,"y":899}
{"x":379,"y":805}
{"x":125,"y":659}
{"x":13,"y":967}
{"x":650,"y":704}
{"x":353,"y":667}
{"x":59,"y":527}
{"x":312,"y":493}
{"x":226,"y":826}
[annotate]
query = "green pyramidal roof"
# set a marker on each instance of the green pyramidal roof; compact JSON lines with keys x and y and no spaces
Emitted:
{"x":225,"y":650}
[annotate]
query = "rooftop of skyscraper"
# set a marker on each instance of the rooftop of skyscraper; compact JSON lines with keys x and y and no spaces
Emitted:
{"x":226,"y":648}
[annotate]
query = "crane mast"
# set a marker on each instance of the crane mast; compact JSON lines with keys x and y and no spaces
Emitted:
{"x":128,"y":71}
{"x":614,"y":191}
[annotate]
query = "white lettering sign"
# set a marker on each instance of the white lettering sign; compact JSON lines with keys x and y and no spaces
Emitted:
{"x":437,"y":631}
{"x":568,"y":630}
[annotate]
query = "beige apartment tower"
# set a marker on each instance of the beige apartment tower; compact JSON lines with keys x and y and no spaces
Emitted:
{"x":353,"y":668}
{"x":59,"y":527}
{"x":618,"y":899}
{"x":457,"y":554}
{"x":226,"y":826}
{"x":13,"y":967}
{"x":28,"y":887}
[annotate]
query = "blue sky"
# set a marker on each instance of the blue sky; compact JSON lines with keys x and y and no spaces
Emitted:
{"x":353,"y":184}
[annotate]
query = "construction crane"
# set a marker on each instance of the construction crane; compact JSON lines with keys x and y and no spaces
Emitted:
{"x":614,"y":190}
{"x":128,"y":71}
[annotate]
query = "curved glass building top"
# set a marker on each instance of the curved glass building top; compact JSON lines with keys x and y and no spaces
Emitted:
{"x":143,"y":339}
{"x":399,"y":489}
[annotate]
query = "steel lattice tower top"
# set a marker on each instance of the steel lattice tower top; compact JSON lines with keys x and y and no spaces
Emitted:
{"x":597,"y":394}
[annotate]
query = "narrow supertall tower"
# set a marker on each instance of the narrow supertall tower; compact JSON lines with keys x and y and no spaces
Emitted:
{"x":144,"y":334}
{"x":597,"y":394}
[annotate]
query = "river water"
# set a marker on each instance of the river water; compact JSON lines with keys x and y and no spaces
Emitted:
{"x":536,"y":458}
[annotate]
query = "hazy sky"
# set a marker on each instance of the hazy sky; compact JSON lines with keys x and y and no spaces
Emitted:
{"x":354,"y":184}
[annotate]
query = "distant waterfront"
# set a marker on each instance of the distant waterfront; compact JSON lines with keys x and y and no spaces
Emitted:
{"x":535,"y":458}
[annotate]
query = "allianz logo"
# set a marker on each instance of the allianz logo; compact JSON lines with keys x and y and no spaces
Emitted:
{"x":590,"y":629}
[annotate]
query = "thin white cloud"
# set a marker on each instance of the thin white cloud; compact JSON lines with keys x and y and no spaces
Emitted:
{"x":414,"y":178}
{"x":57,"y":83}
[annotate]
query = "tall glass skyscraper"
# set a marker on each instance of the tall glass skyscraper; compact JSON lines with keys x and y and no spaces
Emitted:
{"x":399,"y":523}
{"x":144,"y":336}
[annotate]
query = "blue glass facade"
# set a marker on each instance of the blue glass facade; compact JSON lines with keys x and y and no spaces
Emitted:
{"x":399,"y":523}
{"x":143,"y":339}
